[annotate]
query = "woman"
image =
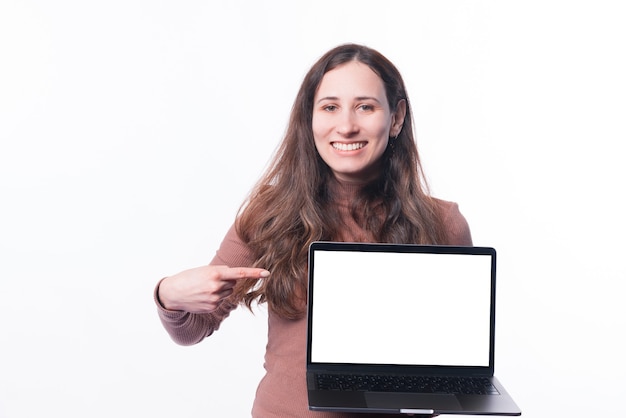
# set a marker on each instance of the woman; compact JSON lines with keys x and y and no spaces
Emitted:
{"x":347,"y":170}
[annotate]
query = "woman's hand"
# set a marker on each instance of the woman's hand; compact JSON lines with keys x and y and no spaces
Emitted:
{"x":202,"y":289}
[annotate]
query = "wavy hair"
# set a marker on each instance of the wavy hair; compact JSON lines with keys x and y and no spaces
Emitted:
{"x":292,"y":205}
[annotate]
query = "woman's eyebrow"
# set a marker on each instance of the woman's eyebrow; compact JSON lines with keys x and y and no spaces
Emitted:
{"x":356,"y":98}
{"x":327,"y":98}
{"x":368,"y":98}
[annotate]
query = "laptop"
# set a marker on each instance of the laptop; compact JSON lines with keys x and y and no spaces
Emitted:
{"x":403,"y":329}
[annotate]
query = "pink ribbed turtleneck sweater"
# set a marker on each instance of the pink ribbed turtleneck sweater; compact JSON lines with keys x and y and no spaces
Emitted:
{"x":282,"y":391}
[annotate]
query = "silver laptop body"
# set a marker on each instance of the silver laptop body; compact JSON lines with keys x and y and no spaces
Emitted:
{"x":423,"y":316}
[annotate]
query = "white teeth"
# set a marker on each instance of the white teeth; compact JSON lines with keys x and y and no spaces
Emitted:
{"x":348,"y":147}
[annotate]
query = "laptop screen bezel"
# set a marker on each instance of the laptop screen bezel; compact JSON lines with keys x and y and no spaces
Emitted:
{"x":401,"y":248}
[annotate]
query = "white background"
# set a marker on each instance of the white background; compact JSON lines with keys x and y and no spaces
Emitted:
{"x":132,"y":130}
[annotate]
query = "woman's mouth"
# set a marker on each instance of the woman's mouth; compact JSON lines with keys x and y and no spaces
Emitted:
{"x":340,"y":146}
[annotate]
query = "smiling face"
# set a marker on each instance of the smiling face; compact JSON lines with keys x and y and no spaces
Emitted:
{"x":352,"y":121}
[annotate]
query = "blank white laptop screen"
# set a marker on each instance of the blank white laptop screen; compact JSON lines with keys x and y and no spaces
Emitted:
{"x":401,"y":308}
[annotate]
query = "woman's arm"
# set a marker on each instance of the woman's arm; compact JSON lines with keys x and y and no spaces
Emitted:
{"x":193,"y":303}
{"x":187,"y":328}
{"x":457,"y":228}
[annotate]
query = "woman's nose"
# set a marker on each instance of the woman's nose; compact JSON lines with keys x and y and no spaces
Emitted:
{"x":347,"y":124}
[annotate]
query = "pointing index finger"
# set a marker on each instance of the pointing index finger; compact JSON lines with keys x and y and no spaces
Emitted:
{"x":237,"y":273}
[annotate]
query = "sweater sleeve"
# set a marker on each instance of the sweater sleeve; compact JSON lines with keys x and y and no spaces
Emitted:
{"x":457,"y":228}
{"x":187,"y":328}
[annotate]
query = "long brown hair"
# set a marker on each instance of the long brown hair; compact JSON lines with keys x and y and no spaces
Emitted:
{"x":291,"y":205}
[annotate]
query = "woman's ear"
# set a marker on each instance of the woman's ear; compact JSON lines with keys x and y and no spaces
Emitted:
{"x":397,"y":119}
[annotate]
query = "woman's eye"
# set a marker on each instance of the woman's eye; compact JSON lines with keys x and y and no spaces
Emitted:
{"x":330,"y":108}
{"x":366,"y":107}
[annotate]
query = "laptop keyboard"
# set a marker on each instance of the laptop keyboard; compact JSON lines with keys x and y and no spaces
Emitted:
{"x":414,"y":384}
